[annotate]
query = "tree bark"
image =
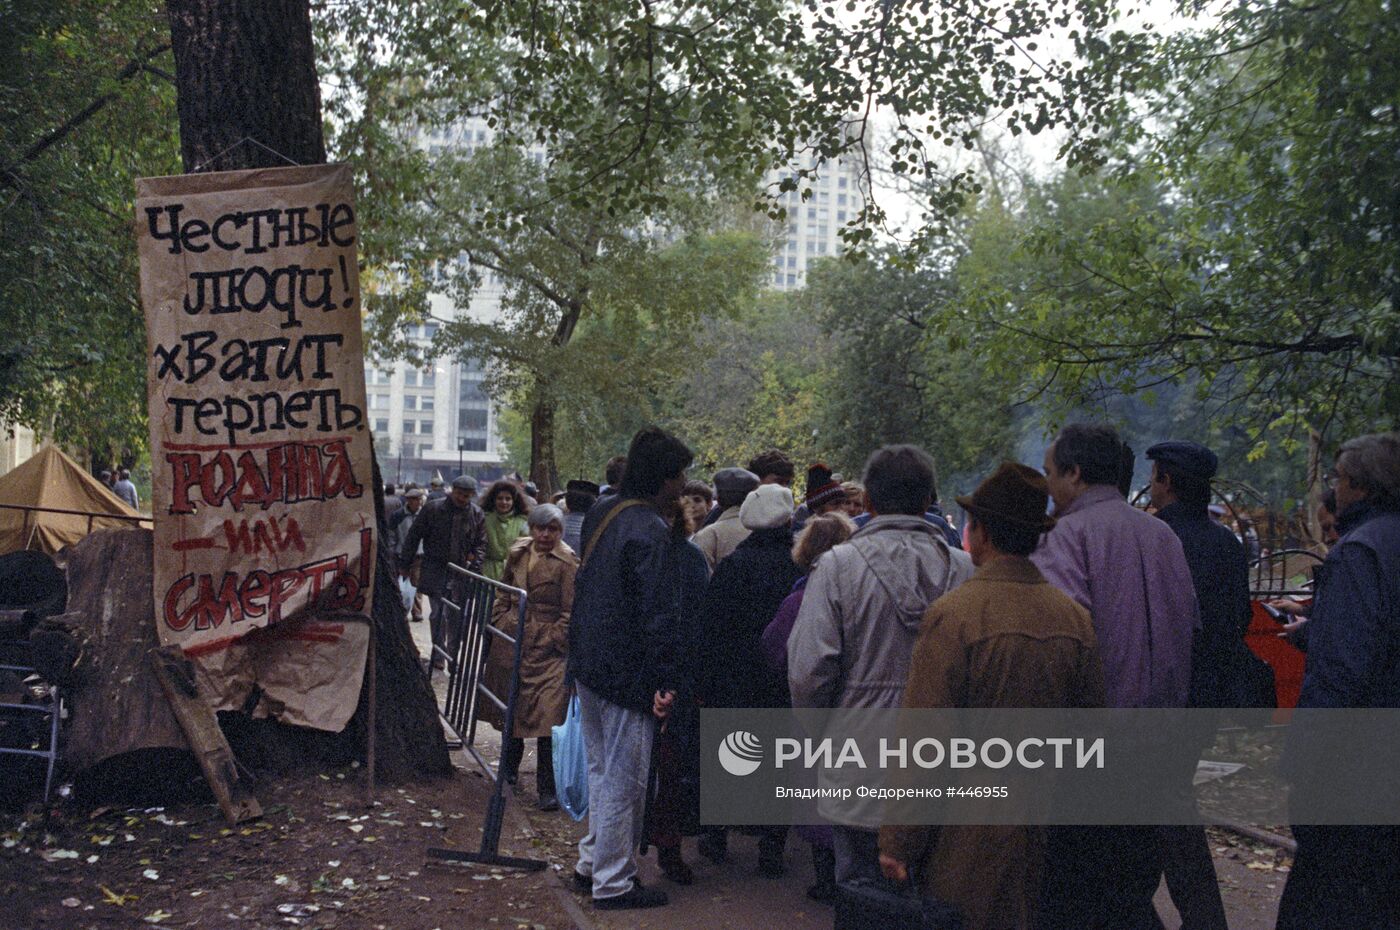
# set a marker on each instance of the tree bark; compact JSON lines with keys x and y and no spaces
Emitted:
{"x":248,"y":71}
{"x":543,"y":470}
{"x":117,"y":705}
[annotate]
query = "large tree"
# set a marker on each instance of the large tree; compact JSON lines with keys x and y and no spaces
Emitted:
{"x":595,"y":313}
{"x":613,"y":91}
{"x":1244,"y":240}
{"x":249,"y":98}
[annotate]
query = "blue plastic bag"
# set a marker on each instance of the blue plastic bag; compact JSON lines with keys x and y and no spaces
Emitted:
{"x":407,"y":592}
{"x":571,"y":764}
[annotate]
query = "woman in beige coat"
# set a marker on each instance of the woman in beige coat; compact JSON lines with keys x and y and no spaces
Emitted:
{"x":544,"y":566}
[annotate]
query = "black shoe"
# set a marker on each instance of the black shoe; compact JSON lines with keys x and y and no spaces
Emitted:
{"x":822,"y":891}
{"x":674,"y":867}
{"x":548,"y":802}
{"x":636,"y":899}
{"x":584,"y":883}
{"x":714,"y":847}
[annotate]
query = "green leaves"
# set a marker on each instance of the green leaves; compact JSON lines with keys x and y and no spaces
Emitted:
{"x":612,"y":87}
{"x":81,"y":123}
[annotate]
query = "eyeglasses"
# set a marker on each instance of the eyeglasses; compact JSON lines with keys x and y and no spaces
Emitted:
{"x":1331,"y":479}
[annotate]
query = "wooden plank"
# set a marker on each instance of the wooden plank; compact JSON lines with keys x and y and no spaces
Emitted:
{"x":211,"y":749}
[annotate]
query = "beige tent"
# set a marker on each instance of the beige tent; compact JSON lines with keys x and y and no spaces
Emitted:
{"x":49,"y":502}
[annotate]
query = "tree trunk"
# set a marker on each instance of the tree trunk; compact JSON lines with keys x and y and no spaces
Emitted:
{"x":248,"y":71}
{"x":116,"y":704}
{"x":544,"y":471}
{"x":1315,"y":486}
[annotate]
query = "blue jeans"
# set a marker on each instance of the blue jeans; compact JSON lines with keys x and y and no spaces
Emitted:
{"x":618,"y":743}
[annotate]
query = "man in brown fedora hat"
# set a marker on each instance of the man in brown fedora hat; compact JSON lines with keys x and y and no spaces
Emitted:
{"x":1005,"y":638}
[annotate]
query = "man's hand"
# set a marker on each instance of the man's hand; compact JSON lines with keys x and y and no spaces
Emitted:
{"x":661,"y":704}
{"x":1286,"y":605}
{"x":894,"y":870}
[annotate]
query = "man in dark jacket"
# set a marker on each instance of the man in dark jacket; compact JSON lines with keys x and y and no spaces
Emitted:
{"x":747,"y":588}
{"x":1349,"y":876}
{"x":393,"y":503}
{"x":399,"y":526}
{"x":1180,"y":491}
{"x":624,"y":638}
{"x":452,"y":530}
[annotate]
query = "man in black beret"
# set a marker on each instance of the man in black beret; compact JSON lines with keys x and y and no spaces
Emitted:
{"x":1180,"y":492}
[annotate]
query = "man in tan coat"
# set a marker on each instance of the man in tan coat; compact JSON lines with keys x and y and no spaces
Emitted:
{"x":718,"y":540}
{"x":1005,"y":638}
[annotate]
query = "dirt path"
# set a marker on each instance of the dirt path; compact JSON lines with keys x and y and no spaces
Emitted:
{"x":317,"y":859}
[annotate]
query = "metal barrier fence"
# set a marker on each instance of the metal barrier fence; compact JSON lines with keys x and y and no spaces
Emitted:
{"x":469,"y":635}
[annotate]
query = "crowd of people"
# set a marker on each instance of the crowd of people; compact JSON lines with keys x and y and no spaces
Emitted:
{"x":654,"y":595}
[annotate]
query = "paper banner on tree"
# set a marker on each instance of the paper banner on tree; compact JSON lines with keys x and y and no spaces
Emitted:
{"x":260,"y":455}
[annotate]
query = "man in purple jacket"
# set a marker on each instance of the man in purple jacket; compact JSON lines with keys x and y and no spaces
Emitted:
{"x":1129,"y":570}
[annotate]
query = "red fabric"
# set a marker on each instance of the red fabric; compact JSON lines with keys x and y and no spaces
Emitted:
{"x":1283,"y":657}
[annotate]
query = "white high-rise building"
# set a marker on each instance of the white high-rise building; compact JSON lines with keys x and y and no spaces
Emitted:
{"x":813,"y":227}
{"x":437,"y":419}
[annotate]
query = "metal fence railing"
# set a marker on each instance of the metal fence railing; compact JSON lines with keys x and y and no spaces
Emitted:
{"x":470,"y":634}
{"x":30,"y":526}
{"x":16,"y":661}
{"x":1283,"y":573}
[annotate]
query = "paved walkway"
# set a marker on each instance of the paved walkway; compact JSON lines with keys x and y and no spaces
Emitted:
{"x":735,"y":897}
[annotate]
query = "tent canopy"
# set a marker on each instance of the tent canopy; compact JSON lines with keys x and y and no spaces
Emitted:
{"x":53,"y":481}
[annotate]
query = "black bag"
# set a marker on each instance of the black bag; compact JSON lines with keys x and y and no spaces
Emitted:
{"x":865,"y":905}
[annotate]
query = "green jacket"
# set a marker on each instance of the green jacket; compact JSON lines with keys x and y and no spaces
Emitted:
{"x":501,"y":534}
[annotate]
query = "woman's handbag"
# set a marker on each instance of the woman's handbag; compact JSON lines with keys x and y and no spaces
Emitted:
{"x":571,"y":763}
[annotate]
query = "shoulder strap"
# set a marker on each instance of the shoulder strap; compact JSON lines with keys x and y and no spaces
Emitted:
{"x":607,"y":520}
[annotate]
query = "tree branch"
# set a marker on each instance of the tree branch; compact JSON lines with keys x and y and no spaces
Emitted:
{"x":133,"y":67}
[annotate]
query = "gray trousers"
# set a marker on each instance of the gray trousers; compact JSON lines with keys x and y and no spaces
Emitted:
{"x":618,"y":743}
{"x":438,"y":623}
